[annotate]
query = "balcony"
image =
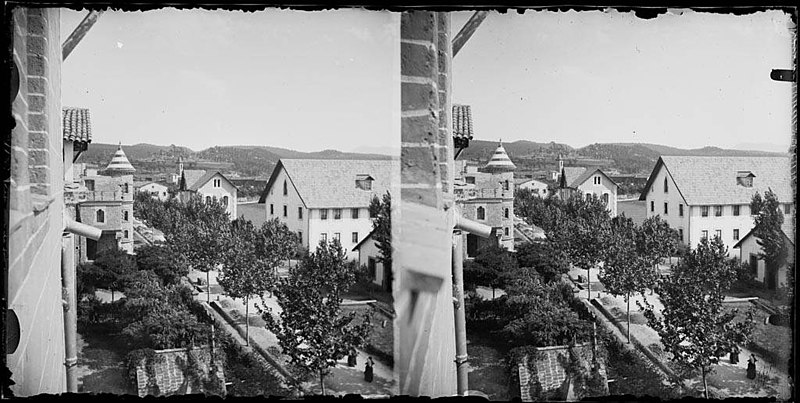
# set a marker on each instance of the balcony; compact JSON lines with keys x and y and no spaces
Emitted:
{"x":83,"y":195}
{"x":469,"y":194}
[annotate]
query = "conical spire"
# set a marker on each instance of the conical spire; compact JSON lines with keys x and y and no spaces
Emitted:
{"x":119,"y":164}
{"x":500,"y":161}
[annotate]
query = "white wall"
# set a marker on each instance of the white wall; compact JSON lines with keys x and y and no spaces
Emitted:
{"x":158,"y":191}
{"x":367,"y":250}
{"x":533,"y":185}
{"x":292,"y":201}
{"x":654,"y":205}
{"x":225,"y":189}
{"x":750,"y":247}
{"x":605,"y":186}
{"x":345,"y":226}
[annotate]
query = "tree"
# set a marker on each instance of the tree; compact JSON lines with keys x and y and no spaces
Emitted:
{"x":113,"y":269}
{"x":655,"y":240}
{"x":162,"y":260}
{"x":245,"y":273}
{"x":491,"y":267}
{"x":198,"y":233}
{"x":625,"y":270}
{"x":693,"y":325}
{"x":276,"y":243}
{"x":311,"y":330}
{"x":547,"y":259}
{"x":381,"y":211}
{"x":768,"y":219}
{"x":588,"y":235}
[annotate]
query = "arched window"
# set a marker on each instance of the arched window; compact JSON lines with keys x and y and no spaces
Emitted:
{"x":666,"y":187}
{"x":481,"y":213}
{"x":101,"y":216}
{"x":225,"y":201}
{"x":285,"y":188}
{"x":505,"y":213}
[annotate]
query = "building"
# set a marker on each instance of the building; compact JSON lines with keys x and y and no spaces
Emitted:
{"x":209,"y":185}
{"x":322,"y":200}
{"x":537,"y":187}
{"x":748,"y":253}
{"x":702,"y":196}
{"x":588,"y":183}
{"x":487,"y":196}
{"x":36,"y":353}
{"x":157,"y":190}
{"x":369,"y":257}
{"x":105,"y":201}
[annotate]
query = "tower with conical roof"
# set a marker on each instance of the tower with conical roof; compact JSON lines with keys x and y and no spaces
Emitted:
{"x":119,"y":164}
{"x":495,"y":196}
{"x":500,"y":162}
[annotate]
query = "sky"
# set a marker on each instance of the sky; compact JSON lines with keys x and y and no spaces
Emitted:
{"x":307,"y":81}
{"x":684,"y":80}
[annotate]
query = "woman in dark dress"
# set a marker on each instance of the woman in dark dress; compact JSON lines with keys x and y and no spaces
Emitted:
{"x":734,"y":355}
{"x":751,"y":367}
{"x":352,"y":358}
{"x":368,"y":375}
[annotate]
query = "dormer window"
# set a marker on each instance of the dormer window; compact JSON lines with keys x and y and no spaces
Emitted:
{"x":745,"y":178}
{"x":364,"y":182}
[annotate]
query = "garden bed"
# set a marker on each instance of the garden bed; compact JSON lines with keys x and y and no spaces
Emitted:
{"x":101,"y":367}
{"x":488,"y":367}
{"x":772,"y":342}
{"x":381,"y":340}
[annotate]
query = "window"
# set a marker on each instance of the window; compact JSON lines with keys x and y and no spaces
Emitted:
{"x":125,"y":234}
{"x":787,"y":209}
{"x":718,"y":211}
{"x":704,"y":211}
{"x":101,"y":216}
{"x":354,"y":213}
{"x":652,"y":206}
{"x":337,"y":236}
{"x":354,"y":237}
{"x":703,"y":234}
{"x":299,"y":213}
{"x":337,"y":214}
{"x":666,"y":208}
{"x":285,"y":210}
{"x":323,"y":237}
{"x":208,"y":199}
{"x":125,"y":215}
{"x":225,"y":201}
{"x":505,"y":185}
{"x":605,"y":198}
{"x":217,"y":183}
{"x":470,"y":180}
{"x":753,"y":264}
{"x":300,"y":236}
{"x":126,"y":188}
{"x":588,"y":197}
{"x":505,"y":231}
{"x":505,"y":213}
{"x":271,"y":209}
{"x":323,"y":214}
{"x":371,"y":263}
{"x":680,"y":233}
{"x":718,"y":234}
{"x":91,"y":249}
{"x":481,"y":213}
{"x":680,"y":209}
{"x":597,"y":180}
{"x":285,"y":188}
{"x":735,"y":209}
{"x":736,"y":234}
{"x":89,"y":185}
{"x":666,"y":186}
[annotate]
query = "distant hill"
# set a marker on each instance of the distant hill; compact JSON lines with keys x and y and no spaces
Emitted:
{"x":253,"y":161}
{"x":481,"y":150}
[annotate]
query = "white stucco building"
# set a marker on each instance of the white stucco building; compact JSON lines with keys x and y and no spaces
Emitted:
{"x":749,"y":249}
{"x":209,"y":185}
{"x":706,"y":196}
{"x":537,"y":187}
{"x":156,"y":190}
{"x":327,"y":199}
{"x":588,"y":183}
{"x":369,"y":257}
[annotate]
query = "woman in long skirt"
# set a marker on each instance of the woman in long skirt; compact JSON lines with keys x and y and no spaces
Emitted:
{"x":751,"y":367}
{"x":368,"y":375}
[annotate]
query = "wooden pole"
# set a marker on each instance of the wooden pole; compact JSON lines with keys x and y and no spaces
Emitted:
{"x":460,"y":316}
{"x":80,"y":31}
{"x":467,"y":30}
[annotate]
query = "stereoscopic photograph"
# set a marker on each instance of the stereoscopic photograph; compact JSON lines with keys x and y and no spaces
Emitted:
{"x":544,"y":204}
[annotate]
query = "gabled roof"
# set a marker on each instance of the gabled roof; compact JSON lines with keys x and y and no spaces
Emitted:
{"x":709,"y":180}
{"x":76,"y":124}
{"x":576,"y":176}
{"x":199,"y":182}
{"x":789,"y":237}
{"x":363,"y":241}
{"x":331,"y":183}
{"x":192,"y":176}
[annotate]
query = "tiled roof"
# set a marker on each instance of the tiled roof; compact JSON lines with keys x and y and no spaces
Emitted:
{"x":77,"y":124}
{"x":462,"y":121}
{"x":331,"y":183}
{"x":549,"y":369}
{"x":192,"y":176}
{"x":712,"y":180}
{"x":788,"y":235}
{"x":572,"y":174}
{"x":173,"y":374}
{"x":199,"y":182}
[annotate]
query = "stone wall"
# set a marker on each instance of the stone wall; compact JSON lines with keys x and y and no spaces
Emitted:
{"x":36,"y":206}
{"x":173,"y":372}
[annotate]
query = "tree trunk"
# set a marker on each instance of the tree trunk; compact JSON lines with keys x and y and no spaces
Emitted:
{"x":493,"y":293}
{"x":112,"y":295}
{"x":588,"y":285}
{"x":705,"y":384}
{"x":628,"y":298}
{"x":208,"y":286}
{"x":246,"y":322}
{"x":322,"y":382}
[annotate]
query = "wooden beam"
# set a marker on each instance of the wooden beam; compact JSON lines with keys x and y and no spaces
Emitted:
{"x":80,"y":31}
{"x":466,"y":32}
